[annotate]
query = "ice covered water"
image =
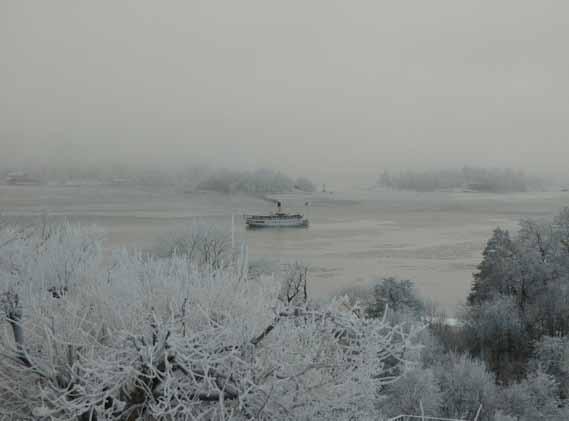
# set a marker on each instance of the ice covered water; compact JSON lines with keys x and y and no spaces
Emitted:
{"x":433,"y":238}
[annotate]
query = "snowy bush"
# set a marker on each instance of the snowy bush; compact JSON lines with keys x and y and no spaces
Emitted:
{"x":551,"y":355}
{"x":263,"y":266}
{"x":130,"y":336}
{"x":415,"y":393}
{"x":498,"y":333}
{"x":533,"y":398}
{"x":465,"y":385}
{"x":398,"y":297}
{"x":204,"y":245}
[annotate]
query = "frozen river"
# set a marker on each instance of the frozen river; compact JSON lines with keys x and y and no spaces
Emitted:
{"x":435,"y":239}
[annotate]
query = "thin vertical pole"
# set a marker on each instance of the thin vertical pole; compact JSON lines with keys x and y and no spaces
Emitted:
{"x":232,"y":231}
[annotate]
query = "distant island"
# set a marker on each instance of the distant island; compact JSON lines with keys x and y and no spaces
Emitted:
{"x":465,"y":179}
{"x":260,"y":181}
{"x":186,"y":179}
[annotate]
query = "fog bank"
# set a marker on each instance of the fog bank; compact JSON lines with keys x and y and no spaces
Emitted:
{"x":321,"y":88}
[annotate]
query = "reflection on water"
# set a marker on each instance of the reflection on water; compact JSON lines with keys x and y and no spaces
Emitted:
{"x":435,"y":239}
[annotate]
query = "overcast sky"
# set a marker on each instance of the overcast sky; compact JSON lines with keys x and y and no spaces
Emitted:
{"x":302,"y":85}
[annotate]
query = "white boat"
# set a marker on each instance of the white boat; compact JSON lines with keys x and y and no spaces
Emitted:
{"x":276,"y":219}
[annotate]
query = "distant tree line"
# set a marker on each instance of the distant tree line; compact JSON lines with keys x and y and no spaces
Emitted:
{"x":260,"y":181}
{"x":468,"y":178}
{"x":108,"y":174}
{"x":190,"y":178}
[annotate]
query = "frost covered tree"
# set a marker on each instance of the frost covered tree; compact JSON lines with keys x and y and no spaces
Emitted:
{"x":561,"y":225}
{"x":396,"y":296}
{"x":204,"y":245}
{"x":495,"y":272}
{"x":135,"y":337}
{"x":520,"y":294}
{"x":497,"y":332}
{"x":294,"y":288}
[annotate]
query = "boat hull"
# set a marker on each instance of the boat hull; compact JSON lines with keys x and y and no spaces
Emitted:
{"x":276,"y":223}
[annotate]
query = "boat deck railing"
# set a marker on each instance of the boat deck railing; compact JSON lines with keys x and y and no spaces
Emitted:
{"x":297,"y":216}
{"x":420,"y":417}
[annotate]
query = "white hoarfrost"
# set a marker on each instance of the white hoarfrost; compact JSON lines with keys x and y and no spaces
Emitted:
{"x":88,"y":336}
